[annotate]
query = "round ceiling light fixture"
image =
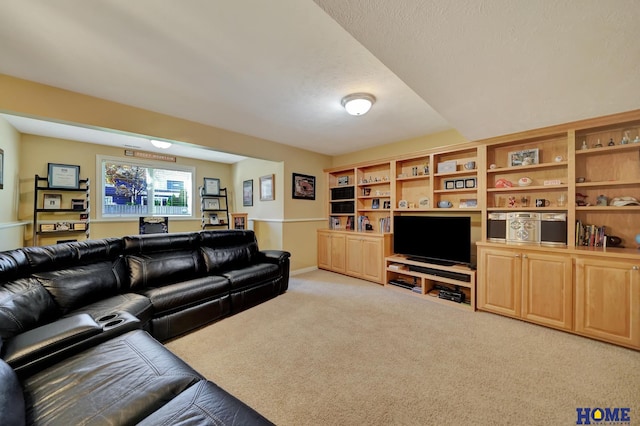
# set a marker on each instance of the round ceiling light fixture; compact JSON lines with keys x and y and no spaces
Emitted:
{"x":160,"y":144}
{"x":358,"y":103}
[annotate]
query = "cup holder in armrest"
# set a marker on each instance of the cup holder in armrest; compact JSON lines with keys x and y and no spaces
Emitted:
{"x":107,"y":318}
{"x":113,"y":323}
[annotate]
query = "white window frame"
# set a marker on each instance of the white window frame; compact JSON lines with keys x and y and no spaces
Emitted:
{"x":99,"y":187}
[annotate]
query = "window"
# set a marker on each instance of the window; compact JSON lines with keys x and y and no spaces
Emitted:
{"x":144,"y":188}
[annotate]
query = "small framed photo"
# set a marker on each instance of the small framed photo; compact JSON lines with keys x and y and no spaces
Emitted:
{"x":449,"y":184}
{"x":386,"y":205}
{"x":267,"y":190}
{"x":77,"y":204}
{"x":47,"y":227}
{"x":63,"y":176}
{"x":79,"y":226}
{"x":211,"y":204}
{"x":470,"y":183}
{"x":375,"y":203}
{"x":247,"y":193}
{"x":303,"y":187}
{"x":459,"y":183}
{"x":213,"y":219}
{"x":470,"y":203}
{"x":52,"y":201}
{"x":525,"y":157}
{"x":211,"y":186}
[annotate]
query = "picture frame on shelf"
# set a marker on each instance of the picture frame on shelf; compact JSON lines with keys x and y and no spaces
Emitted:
{"x":375,"y":203}
{"x":213,"y":219}
{"x":77,"y":204}
{"x":79,"y":226}
{"x":524,"y":157}
{"x":47,"y":227}
{"x":63,"y":176}
{"x":449,"y":184}
{"x":470,"y":203}
{"x":470,"y":183}
{"x":211,"y":204}
{"x":51,"y":201}
{"x":267,"y":190}
{"x":303,"y":187}
{"x":247,"y":193}
{"x":459,"y":183}
{"x":211,"y":186}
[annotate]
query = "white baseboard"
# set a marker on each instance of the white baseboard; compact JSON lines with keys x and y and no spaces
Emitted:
{"x":303,"y":270}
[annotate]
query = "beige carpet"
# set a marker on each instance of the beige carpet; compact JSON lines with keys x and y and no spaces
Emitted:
{"x":335,"y":350}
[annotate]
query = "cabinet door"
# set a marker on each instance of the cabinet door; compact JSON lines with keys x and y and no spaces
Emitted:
{"x":338,"y":253}
{"x":499,"y":281}
{"x":354,"y":256}
{"x":547,"y":289}
{"x":372,"y":259}
{"x":608,"y":300}
{"x":324,"y":250}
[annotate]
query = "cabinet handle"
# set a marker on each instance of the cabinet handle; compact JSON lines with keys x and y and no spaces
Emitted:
{"x":635,"y":268}
{"x":524,"y":256}
{"x":517,"y":255}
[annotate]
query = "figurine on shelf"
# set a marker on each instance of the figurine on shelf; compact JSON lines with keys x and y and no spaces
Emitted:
{"x":625,"y":138}
{"x":598,"y":145}
{"x":581,"y":200}
{"x":602,"y":200}
{"x":611,"y":142}
{"x":584,"y":145}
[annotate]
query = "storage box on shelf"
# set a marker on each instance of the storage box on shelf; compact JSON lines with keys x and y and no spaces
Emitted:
{"x":455,"y":179}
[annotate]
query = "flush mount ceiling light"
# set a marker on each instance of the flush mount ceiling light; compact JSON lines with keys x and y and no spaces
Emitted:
{"x":160,"y":144}
{"x":358,"y":103}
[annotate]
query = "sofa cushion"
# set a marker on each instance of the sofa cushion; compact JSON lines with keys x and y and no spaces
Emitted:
{"x":154,"y":243}
{"x":11,"y":398}
{"x":227,"y":250}
{"x":252,"y":275}
{"x":77,"y":286}
{"x":186,"y":293}
{"x":205,"y":404}
{"x":158,"y":269}
{"x":59,"y":256}
{"x":24,"y":304}
{"x":120,"y":381}
{"x":13,"y":264}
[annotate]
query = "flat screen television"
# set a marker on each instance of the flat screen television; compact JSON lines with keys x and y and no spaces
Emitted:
{"x":444,"y":240}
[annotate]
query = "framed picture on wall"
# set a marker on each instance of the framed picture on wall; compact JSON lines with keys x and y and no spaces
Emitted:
{"x":303,"y":187}
{"x":247,"y":192}
{"x":267,"y":190}
{"x":64,"y":176}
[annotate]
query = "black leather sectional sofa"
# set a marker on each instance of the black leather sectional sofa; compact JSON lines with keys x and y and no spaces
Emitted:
{"x":81,"y":326}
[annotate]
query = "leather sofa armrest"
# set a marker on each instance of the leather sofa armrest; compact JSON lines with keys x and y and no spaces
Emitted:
{"x":274,"y":256}
{"x":26,"y":348}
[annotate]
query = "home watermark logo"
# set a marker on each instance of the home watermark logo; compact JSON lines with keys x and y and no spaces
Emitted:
{"x":603,"y":416}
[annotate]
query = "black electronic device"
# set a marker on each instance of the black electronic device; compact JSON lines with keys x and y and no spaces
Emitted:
{"x":444,"y":240}
{"x":402,"y":283}
{"x":440,"y":273}
{"x":454,"y":296}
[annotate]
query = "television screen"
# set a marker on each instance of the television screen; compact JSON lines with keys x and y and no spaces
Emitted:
{"x":436,"y":239}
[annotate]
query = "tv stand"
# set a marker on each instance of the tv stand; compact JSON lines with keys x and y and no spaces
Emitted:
{"x":432,"y":278}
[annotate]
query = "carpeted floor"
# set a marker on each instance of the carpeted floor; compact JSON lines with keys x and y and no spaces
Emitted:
{"x":335,"y":350}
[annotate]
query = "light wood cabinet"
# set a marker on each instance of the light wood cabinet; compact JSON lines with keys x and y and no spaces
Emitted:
{"x":331,"y":251}
{"x":608,"y":300}
{"x":527,"y":284}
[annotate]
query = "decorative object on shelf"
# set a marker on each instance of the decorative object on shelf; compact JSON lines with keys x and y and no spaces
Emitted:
{"x":211,"y":186}
{"x":524,"y":201}
{"x":511,"y":203}
{"x":79,"y":226}
{"x":611,"y":142}
{"x":366,"y":192}
{"x":625,"y":138}
{"x":492,"y":166}
{"x":444,"y":204}
{"x":47,"y":227}
{"x":581,"y":179}
{"x":470,"y":165}
{"x":624,"y":201}
{"x":552,"y":182}
{"x":211,"y":204}
{"x":63,"y":226}
{"x":562,"y":200}
{"x":558,"y":159}
{"x":426,"y":168}
{"x":503,"y":183}
{"x":52,"y":201}
{"x":470,"y":183}
{"x":636,"y":140}
{"x":449,"y":166}
{"x":584,"y":145}
{"x":524,"y":157}
{"x":63,"y":176}
{"x":424,"y":203}
{"x":525,"y":181}
{"x":213,"y":219}
{"x":542,"y":202}
{"x":303,"y":187}
{"x":459,"y":183}
{"x":386,"y":204}
{"x":613,"y":241}
{"x":1,"y":168}
{"x":239,"y":220}
{"x":469,"y":203}
{"x":375,"y":203}
{"x":602,"y":200}
{"x":77,"y":204}
{"x":343,"y":180}
{"x":247,"y":193}
{"x":638,"y":240}
{"x":267,"y":191}
{"x":449,"y":184}
{"x":403,"y":204}
{"x":598,"y":144}
{"x":581,"y":199}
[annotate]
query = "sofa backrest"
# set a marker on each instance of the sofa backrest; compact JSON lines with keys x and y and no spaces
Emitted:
{"x":155,"y":260}
{"x":226,"y":250}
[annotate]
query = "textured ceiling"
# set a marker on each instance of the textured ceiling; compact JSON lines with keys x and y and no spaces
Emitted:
{"x":277,"y":70}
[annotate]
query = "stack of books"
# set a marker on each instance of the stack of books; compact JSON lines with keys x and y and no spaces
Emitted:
{"x":590,"y":235}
